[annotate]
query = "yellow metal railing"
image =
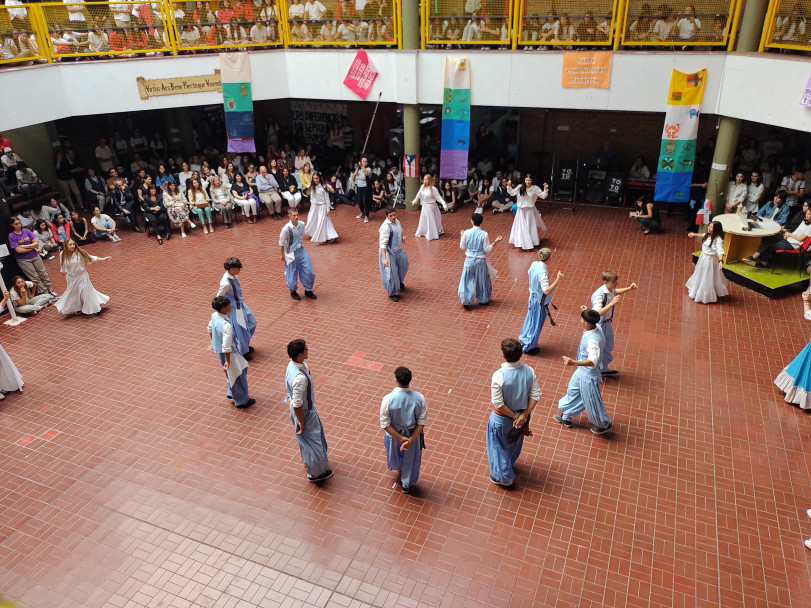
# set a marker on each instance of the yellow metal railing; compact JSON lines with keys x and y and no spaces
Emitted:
{"x":583,"y":23}
{"x":786,"y":26}
{"x":481,"y":22}
{"x":706,"y":23}
{"x":343,"y":23}
{"x":21,"y":38}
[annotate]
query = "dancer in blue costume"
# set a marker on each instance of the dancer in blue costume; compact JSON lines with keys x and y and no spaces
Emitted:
{"x":795,"y":379}
{"x":301,"y":395}
{"x":540,"y":299}
{"x":475,"y":279}
{"x":234,"y":364}
{"x":603,"y":301}
{"x":393,"y":260}
{"x":514,"y":392}
{"x":583,"y":392}
{"x":241,"y":317}
{"x":403,"y":414}
{"x":297,"y":264}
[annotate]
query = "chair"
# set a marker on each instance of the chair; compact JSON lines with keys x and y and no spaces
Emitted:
{"x":799,"y":254}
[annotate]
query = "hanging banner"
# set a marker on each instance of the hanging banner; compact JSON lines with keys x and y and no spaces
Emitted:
{"x":235,"y":71}
{"x":586,"y":69}
{"x":805,"y":100}
{"x":455,"y":142}
{"x":677,"y":153}
{"x":312,"y":120}
{"x":411,"y":165}
{"x":361,"y":75}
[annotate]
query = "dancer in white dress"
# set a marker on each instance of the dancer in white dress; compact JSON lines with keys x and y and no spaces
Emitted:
{"x":430,"y":225}
{"x":10,"y":378}
{"x":79,"y":295}
{"x":527,"y":222}
{"x":708,"y":283}
{"x":319,"y":227}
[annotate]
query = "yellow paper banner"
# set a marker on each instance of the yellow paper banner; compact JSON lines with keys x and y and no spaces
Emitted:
{"x":686,"y":89}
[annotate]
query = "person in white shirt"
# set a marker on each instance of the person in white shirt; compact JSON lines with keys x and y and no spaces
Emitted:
{"x":297,"y":263}
{"x":564,"y":30}
{"x":23,"y":296}
{"x":98,"y":42}
{"x":190,"y":36}
{"x":392,"y":259}
{"x":403,"y":415}
{"x":296,"y":10}
{"x":76,"y":12}
{"x":789,"y":240}
{"x":233,"y":363}
{"x":260,"y":32}
{"x":328,"y":34}
{"x":688,"y":26}
{"x":30,"y":185}
{"x":104,"y":225}
{"x":121,"y":14}
{"x":794,"y":186}
{"x":26,"y":218}
{"x":754,"y":193}
{"x":736,"y":193}
{"x":528,"y":221}
{"x":313,"y":10}
{"x":603,"y":301}
{"x":428,"y":198}
{"x":663,"y":28}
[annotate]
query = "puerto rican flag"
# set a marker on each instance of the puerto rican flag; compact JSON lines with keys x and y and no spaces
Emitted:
{"x":410,"y":165}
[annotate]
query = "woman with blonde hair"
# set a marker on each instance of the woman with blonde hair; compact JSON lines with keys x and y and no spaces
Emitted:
{"x":200,"y":204}
{"x":430,"y":225}
{"x":319,"y":226}
{"x":79,"y":296}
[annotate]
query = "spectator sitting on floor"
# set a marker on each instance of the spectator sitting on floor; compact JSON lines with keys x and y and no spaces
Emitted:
{"x":502,"y":201}
{"x":104,"y":225}
{"x":50,"y":210}
{"x":9,"y":160}
{"x":648,"y":214}
{"x":28,"y":182}
{"x":79,"y":230}
{"x":484,"y":195}
{"x":23,"y":295}
{"x":776,"y":209}
{"x":47,"y":245}
{"x":26,"y":217}
{"x":60,"y":229}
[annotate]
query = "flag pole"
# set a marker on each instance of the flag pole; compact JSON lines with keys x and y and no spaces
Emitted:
{"x":371,"y":124}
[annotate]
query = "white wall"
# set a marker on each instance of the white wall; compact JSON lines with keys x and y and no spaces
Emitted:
{"x":760,"y":88}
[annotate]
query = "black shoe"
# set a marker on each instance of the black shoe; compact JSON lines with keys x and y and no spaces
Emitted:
{"x":247,"y":357}
{"x":601,"y":430}
{"x":402,"y":286}
{"x":229,"y":397}
{"x":295,"y":295}
{"x":160,"y":241}
{"x":394,"y":298}
{"x":250,"y":349}
{"x":562,"y":420}
{"x":168,"y":236}
{"x":760,"y":264}
{"x":311,"y":295}
{"x":533,"y":351}
{"x":137,"y":229}
{"x":248,"y":403}
{"x":466,"y":306}
{"x":748,"y":259}
{"x":498,"y":483}
{"x":610,"y":372}
{"x":325,"y":475}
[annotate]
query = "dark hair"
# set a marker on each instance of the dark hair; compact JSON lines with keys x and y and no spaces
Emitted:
{"x":781,"y":195}
{"x":403,"y":376}
{"x":14,"y":280}
{"x":590,"y":316}
{"x":477,"y":219}
{"x":717,"y":232}
{"x":295,"y":348}
{"x":41,"y":221}
{"x":219,"y":302}
{"x":522,"y":189}
{"x":390,"y":210}
{"x":232,"y":263}
{"x":511,"y":349}
{"x":642,"y":199}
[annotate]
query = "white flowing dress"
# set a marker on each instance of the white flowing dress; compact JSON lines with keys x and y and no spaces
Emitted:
{"x":708,"y":283}
{"x":430,"y":225}
{"x":10,"y":378}
{"x":527,"y":222}
{"x":79,"y":295}
{"x":319,"y":227}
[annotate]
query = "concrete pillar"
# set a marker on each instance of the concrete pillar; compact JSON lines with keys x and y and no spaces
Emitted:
{"x":411,"y":114}
{"x":752,"y":21}
{"x":35,"y":145}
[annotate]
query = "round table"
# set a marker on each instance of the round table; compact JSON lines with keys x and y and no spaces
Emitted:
{"x":740,"y":243}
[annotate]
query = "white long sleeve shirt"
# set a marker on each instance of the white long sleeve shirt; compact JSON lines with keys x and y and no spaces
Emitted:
{"x":227,"y":332}
{"x":385,"y":418}
{"x":299,"y":384}
{"x":497,"y":383}
{"x":528,"y":199}
{"x":427,"y":196}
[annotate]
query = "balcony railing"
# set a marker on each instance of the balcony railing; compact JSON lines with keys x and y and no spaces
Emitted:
{"x":787,"y":27}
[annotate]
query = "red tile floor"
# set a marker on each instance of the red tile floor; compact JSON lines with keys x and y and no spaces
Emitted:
{"x":128,"y":479}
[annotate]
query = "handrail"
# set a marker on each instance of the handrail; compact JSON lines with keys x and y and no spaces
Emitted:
{"x":773,"y":38}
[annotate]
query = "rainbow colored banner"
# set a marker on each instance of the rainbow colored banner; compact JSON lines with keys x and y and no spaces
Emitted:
{"x":677,"y":154}
{"x":235,"y":71}
{"x":455,"y":142}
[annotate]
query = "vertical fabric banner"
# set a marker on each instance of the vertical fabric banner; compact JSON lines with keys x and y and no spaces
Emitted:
{"x":678,"y":149}
{"x":455,"y":142}
{"x":235,"y":70}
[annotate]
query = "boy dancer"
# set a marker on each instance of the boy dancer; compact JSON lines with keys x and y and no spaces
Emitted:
{"x":309,"y":432}
{"x":240,"y":317}
{"x":583,"y":392}
{"x":297,"y":264}
{"x":476,"y":271}
{"x":393,"y":260}
{"x":603,"y":301}
{"x":403,"y":414}
{"x":540,"y":298}
{"x":234,"y":364}
{"x":514,"y":392}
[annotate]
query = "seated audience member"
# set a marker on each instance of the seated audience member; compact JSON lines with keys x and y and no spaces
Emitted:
{"x":754,"y":193}
{"x":50,"y":210}
{"x":79,"y":230}
{"x":190,"y":36}
{"x":736,"y":193}
{"x":221,"y":200}
{"x":163,"y":177}
{"x":104,"y":225}
{"x":60,"y":229}
{"x":177,"y":208}
{"x":648,"y":214}
{"x":449,"y":196}
{"x":337,"y":194}
{"x":639,"y":170}
{"x":260,"y":32}
{"x":327,"y":33}
{"x":123,"y":203}
{"x":484,"y":195}
{"x":28,"y":182}
{"x":665,"y":25}
{"x":98,"y":41}
{"x":155,"y":213}
{"x":378,"y":195}
{"x":785,"y":240}
{"x":47,"y":245}
{"x":289,"y":188}
{"x":547,"y":30}
{"x":23,"y":295}
{"x":794,"y":186}
{"x":313,"y":10}
{"x":776,"y":209}
{"x":200,"y":204}
{"x":502,"y":200}
{"x":242,"y":195}
{"x":10,"y":160}
{"x":564,"y":31}
{"x":26,"y":217}
{"x":688,"y":26}
{"x":798,"y":217}
{"x":96,"y":190}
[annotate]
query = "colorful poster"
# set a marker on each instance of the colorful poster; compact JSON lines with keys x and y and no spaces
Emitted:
{"x":411,"y":165}
{"x":677,"y":153}
{"x":361,"y":75}
{"x":586,"y":69}
{"x":805,"y":100}
{"x":235,"y":70}
{"x":455,"y":142}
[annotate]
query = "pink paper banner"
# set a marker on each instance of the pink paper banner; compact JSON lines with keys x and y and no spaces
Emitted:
{"x":361,"y":75}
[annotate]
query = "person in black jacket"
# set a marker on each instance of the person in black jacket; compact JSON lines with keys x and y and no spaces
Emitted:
{"x":123,"y":203}
{"x":288,"y":186}
{"x":155,"y":213}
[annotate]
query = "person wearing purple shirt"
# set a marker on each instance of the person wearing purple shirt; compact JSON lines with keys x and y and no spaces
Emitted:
{"x":24,"y":244}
